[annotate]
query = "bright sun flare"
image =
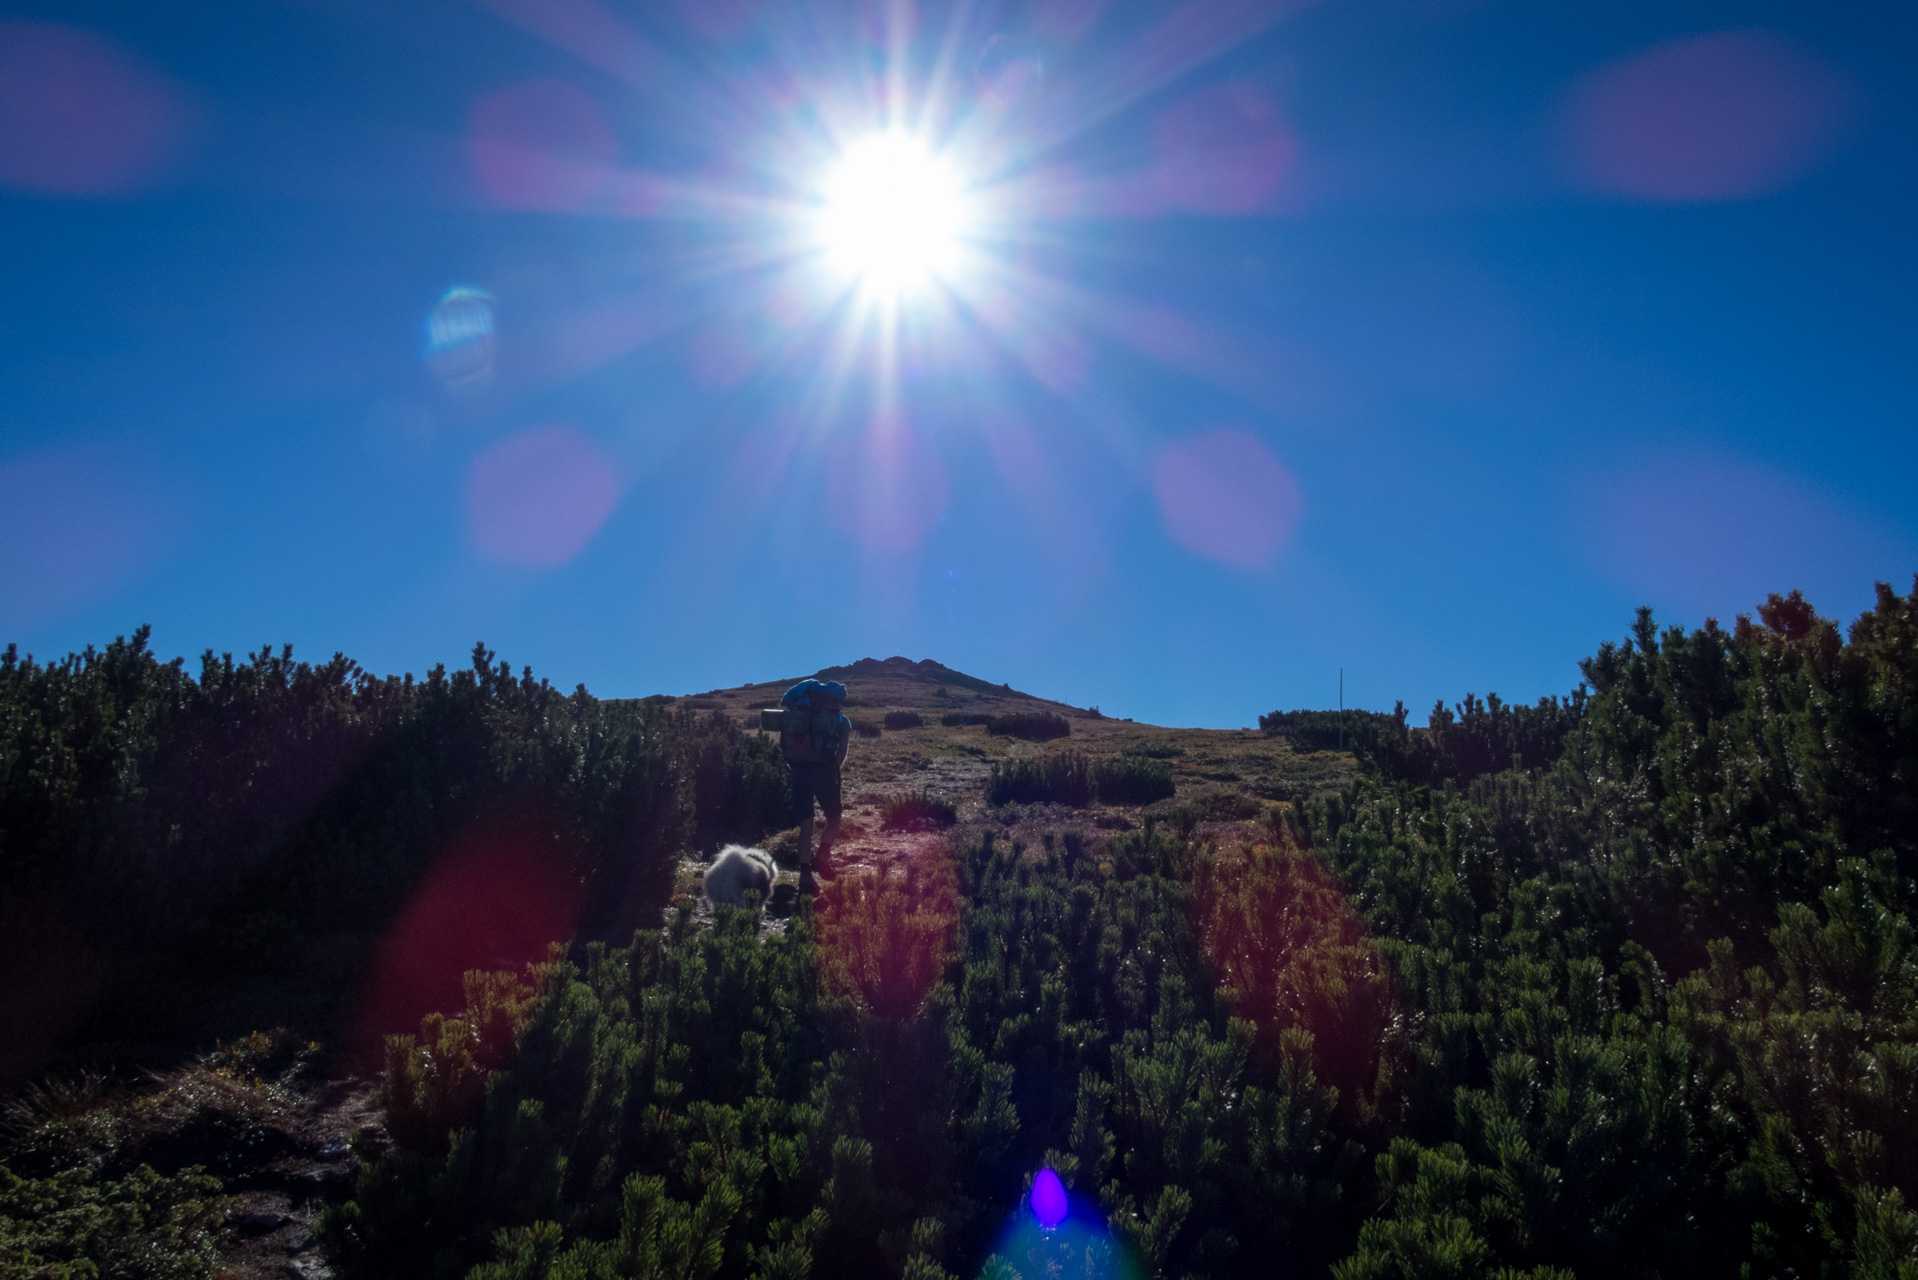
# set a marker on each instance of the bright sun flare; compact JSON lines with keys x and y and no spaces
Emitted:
{"x":894,"y":213}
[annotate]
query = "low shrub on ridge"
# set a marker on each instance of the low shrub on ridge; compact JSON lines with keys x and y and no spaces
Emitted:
{"x":1069,"y":778}
{"x":1055,"y":779}
{"x":1033,"y":726}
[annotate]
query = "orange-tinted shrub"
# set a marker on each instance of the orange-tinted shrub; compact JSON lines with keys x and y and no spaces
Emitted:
{"x":1288,"y":951}
{"x":884,"y":939}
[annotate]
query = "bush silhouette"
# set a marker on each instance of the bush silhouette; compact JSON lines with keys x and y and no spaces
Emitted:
{"x":1033,"y":726}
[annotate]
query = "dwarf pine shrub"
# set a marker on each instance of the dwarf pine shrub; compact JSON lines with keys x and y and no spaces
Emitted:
{"x":77,"y":1225}
{"x":904,"y":720}
{"x":1033,"y":726}
{"x":1131,"y":779}
{"x":435,"y":1082}
{"x":1059,"y":778}
{"x":917,"y":810}
{"x":1117,"y":1065}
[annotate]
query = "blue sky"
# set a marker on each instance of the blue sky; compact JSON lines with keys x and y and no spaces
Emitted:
{"x":1426,"y":338}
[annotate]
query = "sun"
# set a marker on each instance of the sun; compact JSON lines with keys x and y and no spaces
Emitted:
{"x":892,"y":214}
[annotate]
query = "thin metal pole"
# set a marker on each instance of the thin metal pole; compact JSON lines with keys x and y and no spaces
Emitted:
{"x":1341,"y":708}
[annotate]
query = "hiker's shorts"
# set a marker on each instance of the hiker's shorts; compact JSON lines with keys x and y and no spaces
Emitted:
{"x":815,"y":782}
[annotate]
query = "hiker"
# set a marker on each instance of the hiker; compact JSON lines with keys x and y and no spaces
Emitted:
{"x":814,"y":735}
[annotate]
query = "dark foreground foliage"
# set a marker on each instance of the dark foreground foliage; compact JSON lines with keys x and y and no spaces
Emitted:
{"x":190,"y":829}
{"x":1621,"y":984}
{"x":870,"y":1094}
{"x":105,"y":1180}
{"x":1663,"y":993}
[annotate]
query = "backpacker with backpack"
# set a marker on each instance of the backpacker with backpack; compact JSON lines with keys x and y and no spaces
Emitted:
{"x":811,"y":729}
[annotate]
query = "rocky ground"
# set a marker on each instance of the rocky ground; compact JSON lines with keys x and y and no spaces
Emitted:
{"x":274,"y":1208}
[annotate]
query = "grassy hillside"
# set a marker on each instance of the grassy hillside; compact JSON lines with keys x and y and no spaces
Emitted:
{"x":1621,"y":983}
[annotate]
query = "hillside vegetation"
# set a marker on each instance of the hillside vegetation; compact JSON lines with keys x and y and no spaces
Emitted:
{"x":1619,"y":983}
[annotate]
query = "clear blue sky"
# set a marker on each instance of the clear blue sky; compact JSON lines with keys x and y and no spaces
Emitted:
{"x":1426,"y":338}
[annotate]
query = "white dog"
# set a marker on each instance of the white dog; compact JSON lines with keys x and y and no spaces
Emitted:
{"x":738,"y":870}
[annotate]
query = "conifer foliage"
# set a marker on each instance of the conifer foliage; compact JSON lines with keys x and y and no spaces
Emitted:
{"x":1623,"y":983}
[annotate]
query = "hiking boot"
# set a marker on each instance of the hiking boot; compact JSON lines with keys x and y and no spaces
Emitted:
{"x":822,"y":863}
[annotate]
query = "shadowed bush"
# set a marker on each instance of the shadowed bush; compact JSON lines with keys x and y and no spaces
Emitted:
{"x":904,"y":720}
{"x":1068,"y":778}
{"x":960,"y":719}
{"x":1288,"y":952}
{"x":865,"y":728}
{"x":917,"y":811}
{"x":74,"y":1225}
{"x":884,"y":940}
{"x":1060,"y":778}
{"x":1032,"y":726}
{"x":184,"y":829}
{"x":433,"y":1083}
{"x":1131,"y":779}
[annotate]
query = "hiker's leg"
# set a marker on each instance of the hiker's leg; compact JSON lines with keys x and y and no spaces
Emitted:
{"x":802,"y":790}
{"x":829,"y":800}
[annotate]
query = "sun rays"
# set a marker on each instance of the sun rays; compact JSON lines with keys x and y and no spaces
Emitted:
{"x":876,"y":233}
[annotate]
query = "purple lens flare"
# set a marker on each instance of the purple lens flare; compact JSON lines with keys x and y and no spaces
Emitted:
{"x":1048,"y":1199}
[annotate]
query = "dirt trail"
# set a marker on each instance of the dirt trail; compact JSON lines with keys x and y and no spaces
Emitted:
{"x":273,"y":1209}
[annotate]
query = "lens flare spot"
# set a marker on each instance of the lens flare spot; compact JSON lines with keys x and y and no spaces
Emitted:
{"x":892,"y":214}
{"x":1224,"y":150}
{"x":78,"y":116}
{"x":1009,"y":71}
{"x":541,"y":144}
{"x":538,"y":498}
{"x":494,"y":900}
{"x":1722,"y":116}
{"x":1700,"y":533}
{"x":78,"y":523}
{"x":1074,"y":1247}
{"x":1223,"y":495}
{"x":1048,"y":1199}
{"x":459,"y":339}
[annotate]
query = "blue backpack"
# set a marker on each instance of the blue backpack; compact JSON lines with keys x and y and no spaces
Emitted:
{"x":811,"y":730}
